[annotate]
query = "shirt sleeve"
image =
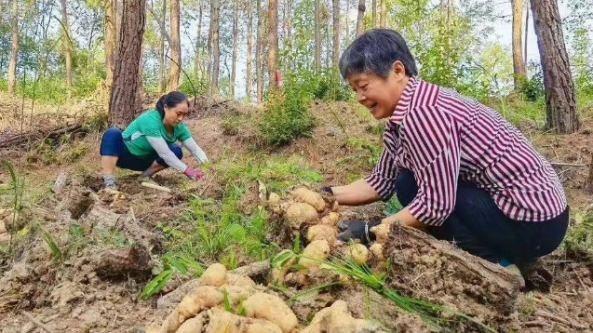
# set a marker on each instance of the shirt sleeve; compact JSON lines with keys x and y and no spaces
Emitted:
{"x":195,"y":150}
{"x":382,"y":178}
{"x":433,"y":143}
{"x":162,"y":149}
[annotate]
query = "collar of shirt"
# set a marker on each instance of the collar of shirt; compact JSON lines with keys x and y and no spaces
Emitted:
{"x":403,"y":106}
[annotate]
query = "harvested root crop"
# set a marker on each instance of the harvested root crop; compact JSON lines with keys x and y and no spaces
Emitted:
{"x":382,"y":232}
{"x":322,"y":232}
{"x":214,"y":276}
{"x":305,"y":195}
{"x":274,"y":202}
{"x":318,"y":250}
{"x":225,"y":322}
{"x":331,"y":219}
{"x":301,"y":213}
{"x":377,"y":251}
{"x":358,"y":253}
{"x":337,"y":319}
{"x":192,"y":325}
{"x":239,"y":280}
{"x":278,"y":274}
{"x":271,"y":308}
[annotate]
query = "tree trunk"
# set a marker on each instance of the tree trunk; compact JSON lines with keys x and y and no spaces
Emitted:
{"x":123,"y":102}
{"x":259,"y":50}
{"x":317,"y":36}
{"x":383,"y":17}
{"x":589,"y":184}
{"x":526,"y":29}
{"x":215,"y":26}
{"x":175,"y":71}
{"x":198,"y":44}
{"x":374,"y":14}
{"x":15,"y":48}
{"x":360,"y":19}
{"x":67,"y":47}
{"x":110,"y":41}
{"x":561,"y":115}
{"x":162,"y":61}
{"x":273,"y":43}
{"x":336,"y":43}
{"x":248,"y":78}
{"x":235,"y":40}
{"x":518,"y":63}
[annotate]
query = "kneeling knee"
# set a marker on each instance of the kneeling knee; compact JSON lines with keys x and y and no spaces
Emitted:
{"x":177,"y":151}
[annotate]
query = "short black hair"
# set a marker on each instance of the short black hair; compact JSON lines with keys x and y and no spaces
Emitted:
{"x":170,"y":100}
{"x":374,"y":52}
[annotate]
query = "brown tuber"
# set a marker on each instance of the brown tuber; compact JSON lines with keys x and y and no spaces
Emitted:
{"x":305,"y":195}
{"x":358,"y":253}
{"x":322,"y":232}
{"x":271,"y":308}
{"x":331,"y":219}
{"x":274,"y":202}
{"x":337,"y":319}
{"x":239,"y":280}
{"x":382,"y":232}
{"x":192,"y":325}
{"x":214,"y":276}
{"x":318,"y":250}
{"x":301,"y":213}
{"x":225,"y":322}
{"x":279,"y":273}
{"x":377,"y":251}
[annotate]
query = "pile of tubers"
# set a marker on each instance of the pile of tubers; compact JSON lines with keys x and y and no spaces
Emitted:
{"x":314,"y":217}
{"x":203,"y":310}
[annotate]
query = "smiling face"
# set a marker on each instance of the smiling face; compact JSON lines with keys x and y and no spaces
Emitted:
{"x":380,"y":95}
{"x":174,"y":115}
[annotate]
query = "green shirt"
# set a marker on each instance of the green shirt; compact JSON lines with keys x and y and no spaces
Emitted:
{"x":150,"y":123}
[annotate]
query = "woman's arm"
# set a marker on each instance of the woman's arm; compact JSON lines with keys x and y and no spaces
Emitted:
{"x":162,"y":149}
{"x":356,"y":193}
{"x":195,"y":150}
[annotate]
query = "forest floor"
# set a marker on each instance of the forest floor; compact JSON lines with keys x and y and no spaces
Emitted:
{"x":81,"y":257}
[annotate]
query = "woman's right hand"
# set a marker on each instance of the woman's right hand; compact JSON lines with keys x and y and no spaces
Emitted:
{"x":193,"y":174}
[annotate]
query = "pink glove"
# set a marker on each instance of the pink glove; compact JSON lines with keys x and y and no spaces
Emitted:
{"x":193,"y":174}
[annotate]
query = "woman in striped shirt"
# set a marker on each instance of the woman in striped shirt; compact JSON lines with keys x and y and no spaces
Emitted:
{"x":462,"y":172}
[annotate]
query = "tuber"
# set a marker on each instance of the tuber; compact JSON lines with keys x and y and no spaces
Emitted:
{"x":377,"y":251}
{"x":382,"y":232}
{"x":301,"y":213}
{"x":358,"y":253}
{"x":331,"y":219}
{"x":272,"y":308}
{"x":279,"y":273}
{"x":274,"y":202}
{"x":214,"y":276}
{"x":225,"y":322}
{"x":239,"y":280}
{"x":305,"y":195}
{"x":318,"y":250}
{"x":192,"y":325}
{"x":322,"y":232}
{"x":337,"y":319}
{"x":201,"y":298}
{"x":236,"y":294}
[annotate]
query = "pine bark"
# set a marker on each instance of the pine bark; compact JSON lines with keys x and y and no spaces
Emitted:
{"x":383,"y":16}
{"x":374,"y":13}
{"x":248,"y":75}
{"x":259,"y":57}
{"x":336,"y":26}
{"x":273,"y":43}
{"x":110,"y":41}
{"x":175,"y":71}
{"x":123,"y":102}
{"x":235,"y":43}
{"x":162,"y":61}
{"x":360,"y":18}
{"x":15,"y":48}
{"x":317,"y":36}
{"x":67,"y":47}
{"x":561,"y":115}
{"x":518,"y":62}
{"x":215,"y":44}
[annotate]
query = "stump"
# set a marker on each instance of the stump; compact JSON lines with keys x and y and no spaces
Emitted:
{"x":426,"y":268}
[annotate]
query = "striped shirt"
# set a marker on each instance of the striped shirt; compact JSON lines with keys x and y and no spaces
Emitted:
{"x":442,"y":137}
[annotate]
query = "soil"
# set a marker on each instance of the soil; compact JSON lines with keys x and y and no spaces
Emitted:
{"x":92,"y":292}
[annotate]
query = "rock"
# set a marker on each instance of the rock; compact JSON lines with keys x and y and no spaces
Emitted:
{"x":60,"y":183}
{"x":120,"y":263}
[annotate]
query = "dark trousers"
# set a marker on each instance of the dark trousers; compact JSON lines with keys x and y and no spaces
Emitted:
{"x":112,"y":144}
{"x":479,"y":227}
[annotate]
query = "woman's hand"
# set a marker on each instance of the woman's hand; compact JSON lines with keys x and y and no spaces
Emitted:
{"x":193,"y":174}
{"x":356,"y":193}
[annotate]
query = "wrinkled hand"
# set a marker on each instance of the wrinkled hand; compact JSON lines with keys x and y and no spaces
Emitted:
{"x":193,"y":174}
{"x":357,"y":230}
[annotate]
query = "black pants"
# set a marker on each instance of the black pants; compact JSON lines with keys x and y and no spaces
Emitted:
{"x":479,"y":227}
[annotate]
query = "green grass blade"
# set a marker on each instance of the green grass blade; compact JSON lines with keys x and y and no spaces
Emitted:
{"x":156,"y":284}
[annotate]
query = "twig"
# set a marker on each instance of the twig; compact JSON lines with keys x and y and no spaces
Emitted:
{"x":156,"y":187}
{"x":37,"y":322}
{"x":563,"y":164}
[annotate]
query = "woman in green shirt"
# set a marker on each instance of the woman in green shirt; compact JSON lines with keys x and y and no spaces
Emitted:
{"x":148,"y":143}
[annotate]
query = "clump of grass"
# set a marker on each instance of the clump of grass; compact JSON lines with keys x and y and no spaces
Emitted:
{"x":579,"y":237}
{"x":173,"y":264}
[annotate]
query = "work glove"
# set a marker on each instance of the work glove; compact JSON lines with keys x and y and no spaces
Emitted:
{"x":357,"y":229}
{"x":193,"y":174}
